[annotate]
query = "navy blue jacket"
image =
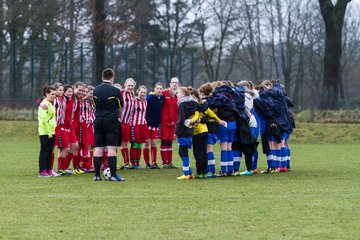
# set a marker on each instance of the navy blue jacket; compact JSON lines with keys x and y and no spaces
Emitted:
{"x":153,"y":112}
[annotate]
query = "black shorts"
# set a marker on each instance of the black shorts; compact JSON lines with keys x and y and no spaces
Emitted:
{"x":107,"y":132}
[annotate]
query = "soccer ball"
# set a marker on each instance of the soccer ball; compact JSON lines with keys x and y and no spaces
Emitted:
{"x":107,"y":174}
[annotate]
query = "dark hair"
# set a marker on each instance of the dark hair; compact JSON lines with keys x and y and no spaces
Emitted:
{"x":66,"y":87}
{"x":107,"y":74}
{"x":47,"y":89}
{"x":196,"y":95}
{"x":206,"y":89}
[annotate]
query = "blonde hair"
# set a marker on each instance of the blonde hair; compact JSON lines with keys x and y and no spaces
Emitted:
{"x":130,"y":80}
{"x":141,"y":87}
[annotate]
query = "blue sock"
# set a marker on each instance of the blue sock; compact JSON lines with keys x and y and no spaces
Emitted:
{"x":223,"y":160}
{"x":230,"y":165}
{"x":237,"y":160}
{"x":255,"y":159}
{"x":186,"y":165}
{"x":283,"y":157}
{"x":269,"y":159}
{"x":288,"y":157}
{"x":277,"y":158}
{"x":211,"y":162}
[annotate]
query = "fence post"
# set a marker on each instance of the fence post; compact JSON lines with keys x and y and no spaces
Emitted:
{"x":180,"y":67}
{"x":154,"y":66}
{"x":49,"y":62}
{"x":192,"y":68}
{"x":66,"y":62}
{"x":126,"y":61}
{"x":33,"y":80}
{"x":14,"y":69}
{"x":81,"y":62}
{"x":140,"y":64}
{"x":167,"y":66}
{"x":112,"y":57}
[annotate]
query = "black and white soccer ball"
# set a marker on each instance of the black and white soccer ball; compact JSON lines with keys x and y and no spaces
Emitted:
{"x":107,"y":174}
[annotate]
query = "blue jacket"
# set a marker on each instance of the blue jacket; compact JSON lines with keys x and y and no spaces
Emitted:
{"x":273,"y":107}
{"x":153,"y":112}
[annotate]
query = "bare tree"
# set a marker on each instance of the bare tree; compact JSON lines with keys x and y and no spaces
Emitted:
{"x":333,"y":16}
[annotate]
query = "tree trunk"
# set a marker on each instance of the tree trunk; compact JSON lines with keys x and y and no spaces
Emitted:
{"x":334,"y":18}
{"x":99,"y":38}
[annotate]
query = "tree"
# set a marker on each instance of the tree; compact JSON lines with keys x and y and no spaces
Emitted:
{"x":333,"y":16}
{"x":99,"y":38}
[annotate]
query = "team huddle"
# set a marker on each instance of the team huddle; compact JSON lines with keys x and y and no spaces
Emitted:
{"x":78,"y":118}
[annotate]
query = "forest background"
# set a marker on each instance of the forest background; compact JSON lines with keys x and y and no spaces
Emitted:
{"x":198,"y":41}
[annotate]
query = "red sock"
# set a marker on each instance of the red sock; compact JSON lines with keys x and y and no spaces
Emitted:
{"x":153,"y":155}
{"x":146,"y":156}
{"x":163,"y":154}
{"x":76,"y":161}
{"x":70,"y":157}
{"x":125,"y":155}
{"x":132,"y":155}
{"x":138,"y":154}
{"x":61,"y":163}
{"x":169,"y":155}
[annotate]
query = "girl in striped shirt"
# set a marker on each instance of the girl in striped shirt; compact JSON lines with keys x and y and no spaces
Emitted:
{"x":138,"y":126}
{"x":128,"y":97}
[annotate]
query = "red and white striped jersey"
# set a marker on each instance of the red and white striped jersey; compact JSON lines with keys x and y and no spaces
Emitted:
{"x":128,"y":99}
{"x":60,"y":107}
{"x":138,"y":116}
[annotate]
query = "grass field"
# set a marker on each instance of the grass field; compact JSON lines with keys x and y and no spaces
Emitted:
{"x":318,"y":199}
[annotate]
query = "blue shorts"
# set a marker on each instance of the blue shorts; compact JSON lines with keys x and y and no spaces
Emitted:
{"x":212,"y":138}
{"x":283,"y":136}
{"x":254,"y":132}
{"x":227,"y":134}
{"x":185,"y":142}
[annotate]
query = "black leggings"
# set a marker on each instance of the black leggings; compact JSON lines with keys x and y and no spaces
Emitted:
{"x":200,"y":152}
{"x":46,"y":149}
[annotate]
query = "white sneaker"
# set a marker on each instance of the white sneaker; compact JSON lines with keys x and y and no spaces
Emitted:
{"x":54,"y":174}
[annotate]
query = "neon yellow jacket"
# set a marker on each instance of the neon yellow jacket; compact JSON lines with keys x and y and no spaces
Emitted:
{"x":201,"y":127}
{"x":46,"y":118}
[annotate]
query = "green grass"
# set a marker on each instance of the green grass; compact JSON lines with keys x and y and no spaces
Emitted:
{"x":318,"y":199}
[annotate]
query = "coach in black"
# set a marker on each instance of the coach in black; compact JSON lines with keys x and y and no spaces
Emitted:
{"x":107,"y":128}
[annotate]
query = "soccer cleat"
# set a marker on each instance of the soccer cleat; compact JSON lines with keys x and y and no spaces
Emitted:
{"x":78,"y":171}
{"x":246,"y":172}
{"x":237,"y":173}
{"x":211,"y":175}
{"x":155,"y":166}
{"x":44,"y":174}
{"x":88,"y":170}
{"x":69,"y":171}
{"x":116,"y":178}
{"x":267,"y":171}
{"x":136,"y":166}
{"x":126,"y":166}
{"x":172,"y":166}
{"x":148,"y":166}
{"x":274,"y":170}
{"x":54,"y":174}
{"x":255,"y":171}
{"x":62,"y":172}
{"x":282,"y":169}
{"x":200,"y":176}
{"x":229,"y":174}
{"x":97,"y":178}
{"x":166,"y":166}
{"x":221,"y":174}
{"x":183,"y":177}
